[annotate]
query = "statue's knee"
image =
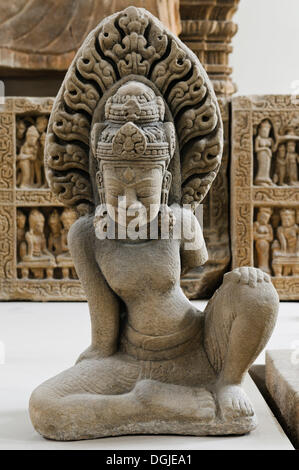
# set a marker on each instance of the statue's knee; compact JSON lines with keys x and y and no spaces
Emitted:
{"x":252,"y":293}
{"x":44,"y":413}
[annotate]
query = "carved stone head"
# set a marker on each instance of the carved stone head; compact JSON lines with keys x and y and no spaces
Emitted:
{"x":68,"y":217}
{"x":36,"y":221}
{"x":288,"y":217}
{"x":32,"y":136}
{"x":133,"y":150}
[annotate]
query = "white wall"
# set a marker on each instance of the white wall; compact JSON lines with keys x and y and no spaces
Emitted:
{"x":266,"y":48}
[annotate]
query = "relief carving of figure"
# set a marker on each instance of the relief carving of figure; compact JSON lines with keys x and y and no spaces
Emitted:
{"x":286,"y":246}
{"x":64,"y":259}
{"x":38,"y":256}
{"x":41,"y":126}
{"x":27,"y":157}
{"x":264,"y":151}
{"x":292,"y":162}
{"x":20,"y":133}
{"x":156,"y":364}
{"x":263,"y":236}
{"x":21,"y":243}
{"x":281,"y":165}
{"x":54,"y":238}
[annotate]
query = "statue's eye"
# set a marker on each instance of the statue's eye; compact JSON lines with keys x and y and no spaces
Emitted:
{"x":145,"y":193}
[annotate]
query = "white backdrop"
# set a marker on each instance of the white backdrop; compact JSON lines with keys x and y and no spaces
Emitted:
{"x":266,"y":48}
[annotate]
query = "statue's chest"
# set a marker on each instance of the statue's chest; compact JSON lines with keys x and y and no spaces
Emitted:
{"x":153,"y":265}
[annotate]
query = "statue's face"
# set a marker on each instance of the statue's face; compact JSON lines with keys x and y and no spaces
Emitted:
{"x":133,"y":191}
{"x":68,"y":217}
{"x":54,"y":222}
{"x":38,"y":224}
{"x":32,"y":139}
{"x":263,"y":217}
{"x":288,"y":219}
{"x":291,"y":146}
{"x":282,"y":151}
{"x":21,"y":220}
{"x":21,"y":128}
{"x":41,"y":124}
{"x":264,"y":131}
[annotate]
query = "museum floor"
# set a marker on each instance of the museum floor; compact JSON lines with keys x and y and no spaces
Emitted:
{"x":42,"y":339}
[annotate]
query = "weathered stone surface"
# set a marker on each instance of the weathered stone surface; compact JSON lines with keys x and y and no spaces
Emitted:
{"x":264,"y":188}
{"x":45,"y":35}
{"x":35,"y":263}
{"x":282,"y":380}
{"x":207,"y":28}
{"x":148,"y":122}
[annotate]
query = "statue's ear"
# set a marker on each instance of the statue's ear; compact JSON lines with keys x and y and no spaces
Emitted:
{"x":94,"y":136}
{"x":161,"y":107}
{"x":170,"y":135}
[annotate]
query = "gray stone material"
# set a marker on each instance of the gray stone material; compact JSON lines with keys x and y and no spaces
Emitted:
{"x":149,"y":132}
{"x":282,"y":381}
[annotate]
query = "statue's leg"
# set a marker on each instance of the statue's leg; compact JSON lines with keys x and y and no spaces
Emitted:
{"x":239,"y":322}
{"x":89,"y":400}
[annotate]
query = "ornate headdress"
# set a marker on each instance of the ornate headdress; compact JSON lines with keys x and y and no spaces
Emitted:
{"x":133,"y":45}
{"x":134,"y":131}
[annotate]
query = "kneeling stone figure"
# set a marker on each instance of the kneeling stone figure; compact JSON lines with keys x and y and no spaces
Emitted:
{"x":137,"y":121}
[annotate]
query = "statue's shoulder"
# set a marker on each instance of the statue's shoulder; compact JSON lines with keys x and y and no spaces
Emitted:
{"x":82,"y":233}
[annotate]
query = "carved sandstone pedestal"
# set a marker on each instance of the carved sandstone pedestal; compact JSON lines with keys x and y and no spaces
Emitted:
{"x":134,"y":143}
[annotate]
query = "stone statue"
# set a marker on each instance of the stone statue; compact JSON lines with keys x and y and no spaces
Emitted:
{"x":20,"y":133}
{"x":27,"y":157}
{"x":153,"y":140}
{"x":281,"y":165}
{"x":38,"y":256}
{"x":21,"y":244}
{"x":54,"y":238}
{"x":292,"y":161}
{"x":41,"y":126}
{"x":263,"y":236}
{"x":263,"y":148}
{"x":64,"y":259}
{"x":286,"y":247}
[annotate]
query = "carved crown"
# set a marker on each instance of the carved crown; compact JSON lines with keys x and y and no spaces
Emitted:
{"x":134,"y":44}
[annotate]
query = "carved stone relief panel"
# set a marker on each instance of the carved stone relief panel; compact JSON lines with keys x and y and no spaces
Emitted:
{"x":207,"y":28}
{"x":202,"y":282}
{"x":46,"y":34}
{"x":265,"y":188}
{"x":35,"y":263}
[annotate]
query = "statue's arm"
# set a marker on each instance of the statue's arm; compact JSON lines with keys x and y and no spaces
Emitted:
{"x":103,"y":303}
{"x":270,"y":235}
{"x":29,"y":241}
{"x":64,"y":244}
{"x":282,"y":239}
{"x":193,"y":248}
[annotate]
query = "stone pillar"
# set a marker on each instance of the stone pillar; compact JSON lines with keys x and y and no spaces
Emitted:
{"x":207,"y":28}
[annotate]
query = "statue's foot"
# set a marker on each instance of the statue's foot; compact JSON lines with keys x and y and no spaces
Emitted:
{"x":176,"y":400}
{"x":233,"y":402}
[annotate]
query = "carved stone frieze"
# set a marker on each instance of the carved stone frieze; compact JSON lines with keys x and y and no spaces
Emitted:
{"x":35,"y":263}
{"x":265,"y":188}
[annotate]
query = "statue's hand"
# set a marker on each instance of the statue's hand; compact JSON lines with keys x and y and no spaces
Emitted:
{"x":246,"y":276}
{"x":90,"y":353}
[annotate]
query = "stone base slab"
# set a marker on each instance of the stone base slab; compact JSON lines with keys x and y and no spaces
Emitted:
{"x":282,"y":381}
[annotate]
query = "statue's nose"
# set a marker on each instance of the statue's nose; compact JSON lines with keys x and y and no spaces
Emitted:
{"x":132,"y":106}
